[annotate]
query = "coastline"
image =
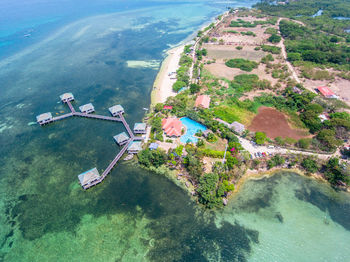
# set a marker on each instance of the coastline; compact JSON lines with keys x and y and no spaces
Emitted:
{"x":162,"y":86}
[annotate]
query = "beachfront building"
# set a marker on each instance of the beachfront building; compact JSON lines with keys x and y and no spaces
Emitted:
{"x":121,"y":139}
{"x":89,"y":178}
{"x":88,"y":108}
{"x":140,"y":128}
{"x":238,"y":127}
{"x":44,"y":118}
{"x":67,"y":97}
{"x":172,"y":126}
{"x":326,"y":92}
{"x":115,"y":110}
{"x":202,"y":101}
{"x":134,"y":147}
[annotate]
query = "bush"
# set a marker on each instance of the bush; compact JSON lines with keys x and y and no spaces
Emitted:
{"x":271,"y":49}
{"x":239,"y":47}
{"x":309,"y":164}
{"x":150,"y":158}
{"x":178,"y":85}
{"x":242,"y":64}
{"x":194,"y":88}
{"x":304,"y":143}
{"x":260,"y":138}
{"x":274,"y":39}
{"x":294,"y":57}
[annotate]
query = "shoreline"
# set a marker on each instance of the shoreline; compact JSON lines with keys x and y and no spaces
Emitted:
{"x":162,"y":85}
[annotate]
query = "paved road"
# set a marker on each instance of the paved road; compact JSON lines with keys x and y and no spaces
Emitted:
{"x":252,"y":149}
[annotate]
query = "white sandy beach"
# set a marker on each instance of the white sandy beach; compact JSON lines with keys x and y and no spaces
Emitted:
{"x":162,"y":88}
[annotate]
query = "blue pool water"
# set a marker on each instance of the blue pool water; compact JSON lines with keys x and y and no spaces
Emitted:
{"x":192,"y":127}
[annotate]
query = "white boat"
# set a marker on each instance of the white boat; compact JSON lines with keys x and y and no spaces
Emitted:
{"x":145,"y":108}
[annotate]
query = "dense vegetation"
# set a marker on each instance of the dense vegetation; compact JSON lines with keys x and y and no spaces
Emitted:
{"x":303,"y":43}
{"x":243,"y":64}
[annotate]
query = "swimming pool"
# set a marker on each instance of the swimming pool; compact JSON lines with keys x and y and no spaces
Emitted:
{"x":192,"y":127}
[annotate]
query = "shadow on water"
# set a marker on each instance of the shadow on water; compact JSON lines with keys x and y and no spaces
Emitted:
{"x":328,"y":201}
{"x":181,"y":231}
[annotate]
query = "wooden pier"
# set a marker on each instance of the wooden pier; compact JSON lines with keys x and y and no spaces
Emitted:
{"x":100,"y":117}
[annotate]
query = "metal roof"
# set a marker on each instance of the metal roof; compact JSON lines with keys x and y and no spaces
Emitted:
{"x":120,"y":138}
{"x":238,"y":127}
{"x":115,"y":109}
{"x":89,"y":176}
{"x":135,"y":146}
{"x":153,"y":146}
{"x":44,"y":116}
{"x":67,"y":96}
{"x":86,"y":107}
{"x":140,"y":126}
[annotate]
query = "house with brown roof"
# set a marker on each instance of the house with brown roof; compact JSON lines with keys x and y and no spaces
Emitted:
{"x":172,"y":126}
{"x":202,"y":101}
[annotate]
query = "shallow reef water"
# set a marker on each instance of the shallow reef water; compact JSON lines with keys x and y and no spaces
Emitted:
{"x":134,"y":215}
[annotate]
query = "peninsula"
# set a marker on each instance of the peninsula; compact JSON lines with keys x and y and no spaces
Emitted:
{"x":253,"y":93}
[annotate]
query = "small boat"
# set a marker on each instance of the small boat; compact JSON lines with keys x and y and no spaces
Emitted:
{"x":145,"y":108}
{"x":27,"y":35}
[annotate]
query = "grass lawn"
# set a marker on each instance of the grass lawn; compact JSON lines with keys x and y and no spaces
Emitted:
{"x":234,"y":113}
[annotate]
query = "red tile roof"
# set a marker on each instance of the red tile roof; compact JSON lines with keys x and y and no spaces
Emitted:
{"x":325,"y":91}
{"x":168,"y":107}
{"x":203,"y":101}
{"x":172,"y":126}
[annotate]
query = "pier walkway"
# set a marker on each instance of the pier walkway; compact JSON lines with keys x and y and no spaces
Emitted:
{"x":101,"y":117}
{"x":56,"y":118}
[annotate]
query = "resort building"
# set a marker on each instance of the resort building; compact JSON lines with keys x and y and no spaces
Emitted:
{"x":326,"y":92}
{"x":89,"y":178}
{"x":172,"y":127}
{"x":66,"y":97}
{"x":134,"y":147}
{"x":238,"y":127}
{"x":121,"y":138}
{"x":153,"y":146}
{"x":44,"y":118}
{"x":115,"y":110}
{"x":203,"y":101}
{"x":88,"y":108}
{"x":140,"y":128}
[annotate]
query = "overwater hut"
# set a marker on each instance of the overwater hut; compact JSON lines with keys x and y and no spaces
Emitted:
{"x":66,"y":97}
{"x":89,"y":178}
{"x":134,"y":147}
{"x":203,"y":101}
{"x":44,"y":118}
{"x":115,"y":110}
{"x":88,"y":108}
{"x":121,"y":139}
{"x":140,"y":128}
{"x":238,"y":127}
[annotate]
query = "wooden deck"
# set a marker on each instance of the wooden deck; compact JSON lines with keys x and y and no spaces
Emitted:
{"x":108,"y":118}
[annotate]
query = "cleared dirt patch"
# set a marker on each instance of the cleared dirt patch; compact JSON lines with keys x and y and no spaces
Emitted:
{"x":230,"y":52}
{"x":274,"y":124}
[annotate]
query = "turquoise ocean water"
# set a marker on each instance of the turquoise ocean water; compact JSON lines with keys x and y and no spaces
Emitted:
{"x":84,"y":47}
